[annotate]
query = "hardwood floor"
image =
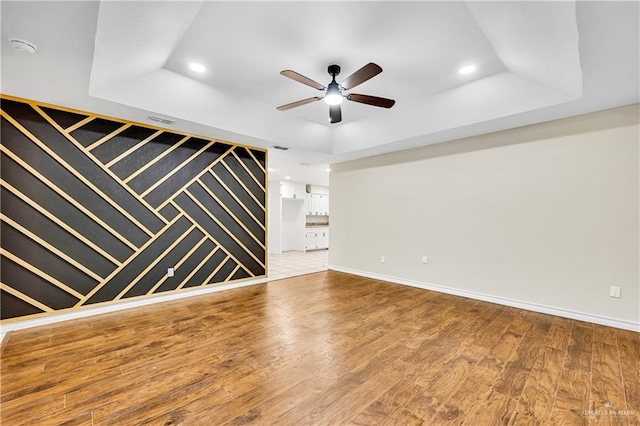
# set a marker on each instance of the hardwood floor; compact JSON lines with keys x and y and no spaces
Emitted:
{"x":327,"y":348}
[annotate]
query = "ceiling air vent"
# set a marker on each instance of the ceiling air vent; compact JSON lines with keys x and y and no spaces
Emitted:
{"x":280,"y":147}
{"x":161,"y":120}
{"x":306,"y":164}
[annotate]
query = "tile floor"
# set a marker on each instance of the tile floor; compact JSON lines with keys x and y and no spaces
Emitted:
{"x":293,"y":263}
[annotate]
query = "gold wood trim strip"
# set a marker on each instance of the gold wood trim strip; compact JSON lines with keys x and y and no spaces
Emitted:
{"x":77,"y":174}
{"x":216,"y":242}
{"x":155,"y":160}
{"x":128,"y":261}
{"x":64,"y":195}
{"x":256,"y":160}
{"x":158,"y":284}
{"x":133,"y":148}
{"x":59,"y":222}
{"x":78,"y":124}
{"x":41,"y":274}
{"x":243,"y":185}
{"x":107,"y":137}
{"x":25,"y":298}
{"x":197,"y":268}
{"x":198,"y":176}
{"x":190,"y":252}
{"x":249,"y":252}
{"x":154,"y":263}
{"x":97,"y":162}
{"x":235,"y":197}
{"x":215,"y":271}
{"x":249,"y":272}
{"x":231,"y":274}
{"x":51,"y":248}
{"x":176,"y":170}
{"x":238,"y":221}
{"x":244,"y":166}
{"x":177,"y":265}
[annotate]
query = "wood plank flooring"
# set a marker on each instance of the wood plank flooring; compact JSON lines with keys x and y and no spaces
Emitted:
{"x":328,"y":349}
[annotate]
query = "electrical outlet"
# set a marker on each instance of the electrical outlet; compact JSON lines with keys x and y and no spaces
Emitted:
{"x":425,"y":259}
{"x":614,"y":291}
{"x":170,"y":272}
{"x":382,"y":260}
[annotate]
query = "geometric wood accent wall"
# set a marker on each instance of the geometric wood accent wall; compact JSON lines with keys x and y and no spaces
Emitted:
{"x":95,"y":209}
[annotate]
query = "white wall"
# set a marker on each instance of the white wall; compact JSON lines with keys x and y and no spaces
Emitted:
{"x":274,"y":211}
{"x":293,"y":216}
{"x":544,"y":217}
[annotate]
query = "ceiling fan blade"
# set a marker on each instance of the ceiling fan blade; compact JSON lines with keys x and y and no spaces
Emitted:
{"x":335,"y":114}
{"x":298,"y":103}
{"x":302,"y":79}
{"x":371,"y":100}
{"x":363,"y":74}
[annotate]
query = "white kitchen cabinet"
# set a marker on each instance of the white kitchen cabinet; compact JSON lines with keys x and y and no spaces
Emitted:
{"x":317,"y":205}
{"x":299,"y":191}
{"x":310,"y":241}
{"x":322,"y":238}
{"x":324,"y":208}
{"x":292,"y":190}
{"x":286,"y":190}
{"x":316,"y":239}
{"x":313,"y":201}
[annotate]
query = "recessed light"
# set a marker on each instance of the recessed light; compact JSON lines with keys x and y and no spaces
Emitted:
{"x":287,"y":177}
{"x":467,"y":69}
{"x":328,"y":169}
{"x":271,"y":170}
{"x":194,"y":66}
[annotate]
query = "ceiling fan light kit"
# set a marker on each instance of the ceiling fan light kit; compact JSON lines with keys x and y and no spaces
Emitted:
{"x":333,"y":98}
{"x":334,"y":93}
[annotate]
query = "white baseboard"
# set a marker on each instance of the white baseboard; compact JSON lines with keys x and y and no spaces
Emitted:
{"x":580,"y":316}
{"x":90,"y":311}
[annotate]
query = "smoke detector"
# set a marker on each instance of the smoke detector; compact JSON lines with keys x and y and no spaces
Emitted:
{"x":23,"y":45}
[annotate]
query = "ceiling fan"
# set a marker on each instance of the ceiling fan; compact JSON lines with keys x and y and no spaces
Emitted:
{"x":334,"y":92}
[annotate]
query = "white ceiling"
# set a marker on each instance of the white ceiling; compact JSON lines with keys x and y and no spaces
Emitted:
{"x":536,"y":61}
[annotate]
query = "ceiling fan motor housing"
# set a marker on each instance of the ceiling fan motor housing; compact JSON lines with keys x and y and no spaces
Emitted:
{"x":334,"y":70}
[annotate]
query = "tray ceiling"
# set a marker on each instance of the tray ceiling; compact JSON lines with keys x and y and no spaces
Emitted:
{"x":536,"y":61}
